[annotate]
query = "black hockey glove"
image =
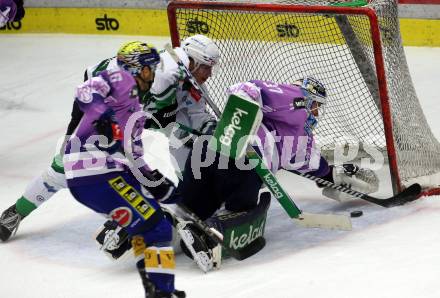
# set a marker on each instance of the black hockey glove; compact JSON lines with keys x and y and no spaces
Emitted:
{"x":162,"y":117}
{"x":208,"y":127}
{"x":349,"y":170}
{"x":108,"y":127}
{"x":164,"y":192}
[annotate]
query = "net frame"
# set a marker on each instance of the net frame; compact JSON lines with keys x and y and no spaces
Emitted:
{"x":316,"y":7}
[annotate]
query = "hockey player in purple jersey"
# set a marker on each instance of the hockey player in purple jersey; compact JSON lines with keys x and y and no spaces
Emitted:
{"x":290,"y":113}
{"x":285,"y":140}
{"x":44,"y":186}
{"x":11,"y":11}
{"x":103,"y":164}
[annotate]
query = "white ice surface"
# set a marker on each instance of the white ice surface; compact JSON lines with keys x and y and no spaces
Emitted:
{"x":390,"y":252}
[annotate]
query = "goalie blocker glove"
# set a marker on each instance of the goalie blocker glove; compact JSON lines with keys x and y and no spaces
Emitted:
{"x":351,"y":176}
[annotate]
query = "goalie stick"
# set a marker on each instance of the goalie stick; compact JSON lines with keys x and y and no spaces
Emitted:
{"x":409,"y":194}
{"x":312,"y":220}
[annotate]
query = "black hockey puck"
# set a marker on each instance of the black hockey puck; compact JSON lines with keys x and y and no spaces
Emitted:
{"x":356,"y":213}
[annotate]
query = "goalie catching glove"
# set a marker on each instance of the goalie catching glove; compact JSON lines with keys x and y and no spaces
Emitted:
{"x":351,"y":176}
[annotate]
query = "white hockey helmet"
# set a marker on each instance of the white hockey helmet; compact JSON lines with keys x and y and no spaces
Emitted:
{"x":201,"y":49}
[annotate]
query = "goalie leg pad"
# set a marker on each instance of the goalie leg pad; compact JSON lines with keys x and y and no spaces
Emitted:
{"x":244,"y":229}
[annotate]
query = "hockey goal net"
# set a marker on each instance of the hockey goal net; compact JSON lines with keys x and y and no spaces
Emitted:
{"x":353,"y":47}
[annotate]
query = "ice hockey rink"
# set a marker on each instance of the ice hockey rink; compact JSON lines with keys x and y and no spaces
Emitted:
{"x":389,"y":253}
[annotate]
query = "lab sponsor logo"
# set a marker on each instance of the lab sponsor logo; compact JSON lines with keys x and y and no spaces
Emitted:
{"x":273,"y":185}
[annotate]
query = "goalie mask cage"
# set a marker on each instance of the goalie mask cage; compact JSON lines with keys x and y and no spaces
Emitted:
{"x":354,"y":48}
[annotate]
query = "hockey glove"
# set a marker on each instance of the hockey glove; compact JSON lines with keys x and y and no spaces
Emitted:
{"x":351,"y":176}
{"x":164,"y":192}
{"x":208,"y":127}
{"x":108,"y":127}
{"x":162,"y":117}
{"x":179,"y":73}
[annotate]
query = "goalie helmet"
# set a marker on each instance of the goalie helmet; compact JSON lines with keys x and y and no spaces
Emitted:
{"x":134,"y":55}
{"x":314,"y":89}
{"x":315,"y":97}
{"x":201,"y":49}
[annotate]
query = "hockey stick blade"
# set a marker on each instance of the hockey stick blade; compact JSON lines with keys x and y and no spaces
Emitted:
{"x":324,"y":221}
{"x":409,"y":194}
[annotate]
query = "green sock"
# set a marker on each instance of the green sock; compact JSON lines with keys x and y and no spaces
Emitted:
{"x":24,"y":206}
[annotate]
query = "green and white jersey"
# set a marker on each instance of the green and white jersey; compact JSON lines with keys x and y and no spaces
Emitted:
{"x":167,"y":90}
{"x":94,"y":70}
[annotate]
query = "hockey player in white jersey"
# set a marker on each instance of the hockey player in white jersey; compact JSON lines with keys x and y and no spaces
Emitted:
{"x":174,"y":99}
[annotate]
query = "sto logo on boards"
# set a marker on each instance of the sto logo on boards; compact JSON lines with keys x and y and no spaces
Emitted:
{"x":12,"y":26}
{"x":106,"y":23}
{"x":287,"y":30}
{"x":195,"y":26}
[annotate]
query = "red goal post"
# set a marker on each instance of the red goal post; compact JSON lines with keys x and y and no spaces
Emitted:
{"x":356,"y":51}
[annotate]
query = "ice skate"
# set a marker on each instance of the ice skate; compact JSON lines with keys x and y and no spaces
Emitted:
{"x":9,"y":222}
